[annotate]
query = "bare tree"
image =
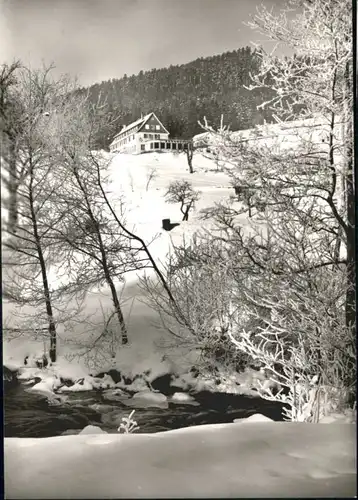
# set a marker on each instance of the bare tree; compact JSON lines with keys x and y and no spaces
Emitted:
{"x":142,"y":247}
{"x":10,"y":128}
{"x":38,"y":97}
{"x":66,"y":224}
{"x":88,"y":230}
{"x":189,"y":150}
{"x":320,"y":81}
{"x":100,"y":230}
{"x":290,"y":265}
{"x":152,"y":174}
{"x":198,"y":275}
{"x":183,"y":193}
{"x":299,"y":244}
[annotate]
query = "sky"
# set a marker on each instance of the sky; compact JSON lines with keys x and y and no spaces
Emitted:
{"x":96,"y":40}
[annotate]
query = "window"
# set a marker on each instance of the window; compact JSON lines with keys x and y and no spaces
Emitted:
{"x":147,"y":126}
{"x":179,"y":145}
{"x":168,"y":145}
{"x":162,"y":145}
{"x":174,"y":145}
{"x":151,"y":145}
{"x":156,"y":136}
{"x":142,"y":147}
{"x":146,"y":136}
{"x":156,"y":145}
{"x":157,"y":127}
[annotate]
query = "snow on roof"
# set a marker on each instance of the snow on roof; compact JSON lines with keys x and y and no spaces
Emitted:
{"x":140,"y":121}
{"x":277,"y":129}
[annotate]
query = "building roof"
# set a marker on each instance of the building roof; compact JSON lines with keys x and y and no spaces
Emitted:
{"x":140,"y":122}
{"x":269,"y":131}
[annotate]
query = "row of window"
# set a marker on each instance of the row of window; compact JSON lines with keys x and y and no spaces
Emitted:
{"x":151,"y":136}
{"x":152,"y":127}
{"x":125,"y":140}
{"x":165,"y":145}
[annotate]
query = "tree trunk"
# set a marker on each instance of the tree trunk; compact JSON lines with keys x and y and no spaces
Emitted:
{"x":118,"y":310}
{"x":106,"y":271}
{"x":189,"y":157}
{"x":186,"y":212}
{"x":46,"y":289}
{"x":112,"y":287}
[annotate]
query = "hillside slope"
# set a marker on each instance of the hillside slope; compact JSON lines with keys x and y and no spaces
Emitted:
{"x":145,"y":207}
{"x":183,"y":94}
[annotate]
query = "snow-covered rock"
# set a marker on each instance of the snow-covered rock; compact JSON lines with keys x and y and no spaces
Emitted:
{"x":47,"y":386}
{"x":106,"y":382}
{"x":150,"y":396}
{"x":147,"y":399}
{"x":30,"y":381}
{"x":182,"y":397}
{"x":257,"y":417}
{"x":30,"y":373}
{"x":92,"y":429}
{"x":115,"y":395}
{"x":82,"y":385}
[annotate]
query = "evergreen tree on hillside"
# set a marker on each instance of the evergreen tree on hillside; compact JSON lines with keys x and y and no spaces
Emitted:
{"x":183,"y":94}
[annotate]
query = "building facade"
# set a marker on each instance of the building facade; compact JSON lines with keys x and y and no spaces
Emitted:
{"x":145,"y":135}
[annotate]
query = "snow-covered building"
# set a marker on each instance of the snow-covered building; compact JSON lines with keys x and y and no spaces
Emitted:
{"x":144,"y":135}
{"x":279,"y":136}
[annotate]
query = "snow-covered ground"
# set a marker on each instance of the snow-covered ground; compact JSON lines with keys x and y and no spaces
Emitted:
{"x":141,"y":181}
{"x":145,"y":207}
{"x":248,"y":459}
{"x":263,"y":459}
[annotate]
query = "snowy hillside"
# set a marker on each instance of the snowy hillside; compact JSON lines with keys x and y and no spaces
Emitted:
{"x":141,"y":182}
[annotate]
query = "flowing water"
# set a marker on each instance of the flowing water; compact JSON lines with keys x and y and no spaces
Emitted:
{"x":29,"y":414}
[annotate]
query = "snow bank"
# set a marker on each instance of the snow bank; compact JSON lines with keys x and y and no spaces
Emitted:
{"x":52,"y":375}
{"x":257,"y":417}
{"x":92,"y":430}
{"x":134,"y":359}
{"x":260,"y":460}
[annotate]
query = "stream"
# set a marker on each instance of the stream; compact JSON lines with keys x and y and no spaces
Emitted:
{"x":31,"y":414}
